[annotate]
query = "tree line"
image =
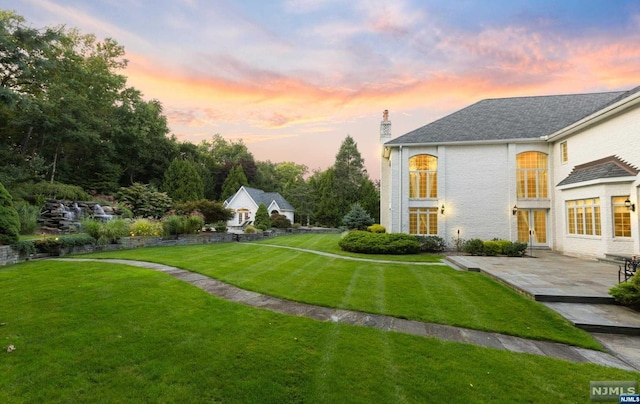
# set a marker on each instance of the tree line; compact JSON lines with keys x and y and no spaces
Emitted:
{"x":68,"y":118}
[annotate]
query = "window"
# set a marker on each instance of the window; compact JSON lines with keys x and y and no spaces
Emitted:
{"x":423,"y":221}
{"x":621,"y":217}
{"x":423,"y":176}
{"x":243,"y":215}
{"x":583,"y":217}
{"x":531,"y":175}
{"x":564,"y":152}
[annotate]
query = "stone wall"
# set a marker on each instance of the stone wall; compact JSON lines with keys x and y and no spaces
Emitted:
{"x":8,"y":256}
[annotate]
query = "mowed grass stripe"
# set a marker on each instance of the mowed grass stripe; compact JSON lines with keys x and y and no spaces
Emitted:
{"x":152,"y":338}
{"x":426,"y":293}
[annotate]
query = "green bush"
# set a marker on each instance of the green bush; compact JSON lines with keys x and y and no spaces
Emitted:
{"x":474,"y":247}
{"x":145,"y":200}
{"x":221,"y":227}
{"x":28,"y":215}
{"x":628,"y":293}
{"x":56,"y":190}
{"x":516,"y":249}
{"x":145,"y":228}
{"x":250,"y":229}
{"x":53,"y":245}
{"x":212,"y":211}
{"x":193,"y":224}
{"x":106,"y":232}
{"x":24,"y":247}
{"x":431,"y":244}
{"x":9,"y":219}
{"x":376,"y":228}
{"x":279,"y":221}
{"x":379,"y":243}
{"x":491,"y":248}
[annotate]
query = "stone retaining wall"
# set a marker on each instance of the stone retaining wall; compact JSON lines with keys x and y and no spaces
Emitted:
{"x":8,"y":256}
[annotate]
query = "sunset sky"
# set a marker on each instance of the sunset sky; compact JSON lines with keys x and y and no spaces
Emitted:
{"x":293,"y":78}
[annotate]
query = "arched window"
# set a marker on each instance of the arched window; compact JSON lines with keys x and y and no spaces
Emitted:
{"x":423,"y":176}
{"x":532,"y":175}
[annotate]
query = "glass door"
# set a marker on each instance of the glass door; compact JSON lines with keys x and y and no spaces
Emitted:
{"x":532,"y":226}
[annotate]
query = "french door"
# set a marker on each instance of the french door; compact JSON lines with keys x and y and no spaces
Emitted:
{"x":532,"y":226}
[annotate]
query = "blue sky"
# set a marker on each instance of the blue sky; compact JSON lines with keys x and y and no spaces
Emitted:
{"x":293,"y":78}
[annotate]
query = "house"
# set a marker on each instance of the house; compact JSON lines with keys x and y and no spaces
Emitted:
{"x":558,"y":172}
{"x":246,"y":201}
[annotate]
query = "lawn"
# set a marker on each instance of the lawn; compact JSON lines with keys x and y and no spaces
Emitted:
{"x":431,"y":293}
{"x":98,"y":332}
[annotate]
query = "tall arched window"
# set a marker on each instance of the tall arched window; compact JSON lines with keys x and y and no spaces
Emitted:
{"x":532,"y":175}
{"x":423,"y":176}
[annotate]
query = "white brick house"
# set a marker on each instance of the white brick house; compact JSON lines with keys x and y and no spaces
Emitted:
{"x":555,"y":171}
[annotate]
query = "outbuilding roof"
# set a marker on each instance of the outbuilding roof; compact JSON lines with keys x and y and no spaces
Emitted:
{"x":259,"y":196}
{"x":511,"y":118}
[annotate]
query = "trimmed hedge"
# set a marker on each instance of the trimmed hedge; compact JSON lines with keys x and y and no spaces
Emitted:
{"x":494,"y":247}
{"x":431,"y":244}
{"x":379,"y":243}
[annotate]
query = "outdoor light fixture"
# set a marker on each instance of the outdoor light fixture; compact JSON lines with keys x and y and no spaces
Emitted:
{"x":514,"y":210}
{"x":442,"y":209}
{"x":629,"y":205}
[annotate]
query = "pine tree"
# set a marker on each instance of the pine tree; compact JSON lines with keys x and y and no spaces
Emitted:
{"x":262,"y":220}
{"x":182,"y":181}
{"x":233,"y":182}
{"x":357,"y":218}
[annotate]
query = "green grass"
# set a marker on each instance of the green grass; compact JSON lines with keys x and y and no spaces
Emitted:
{"x":430,"y":293}
{"x":329,"y":243}
{"x":97,"y":332}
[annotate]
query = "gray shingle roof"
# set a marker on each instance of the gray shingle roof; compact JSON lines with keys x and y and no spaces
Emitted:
{"x":608,"y":167}
{"x":259,"y":196}
{"x":511,"y":118}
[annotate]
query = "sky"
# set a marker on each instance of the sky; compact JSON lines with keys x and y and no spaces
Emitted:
{"x":293,"y":78}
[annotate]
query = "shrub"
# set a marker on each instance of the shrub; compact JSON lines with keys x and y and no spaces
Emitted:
{"x":112,"y":230}
{"x":24,"y":247}
{"x":145,"y":227}
{"x":379,"y":243}
{"x":106,"y":232}
{"x":145,"y":200}
{"x":221,"y":227}
{"x":627,"y":293}
{"x":280,"y":221}
{"x":516,"y":249}
{"x":357,"y":218}
{"x":53,"y":245}
{"x":250,"y":229}
{"x":491,"y":248}
{"x":376,"y":228}
{"x":9,"y":219}
{"x":458,"y":243}
{"x":193,"y":224}
{"x":431,"y":244}
{"x":474,"y":246}
{"x":56,"y":190}
{"x":28,"y":215}
{"x":262,"y":220}
{"x":212,"y":211}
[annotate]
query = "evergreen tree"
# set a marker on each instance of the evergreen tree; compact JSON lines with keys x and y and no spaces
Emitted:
{"x":233,"y":182}
{"x":182,"y":181}
{"x":9,"y":219}
{"x":369,"y":198}
{"x":328,"y":209}
{"x":262,"y":220}
{"x":357,"y":218}
{"x":349,"y":173}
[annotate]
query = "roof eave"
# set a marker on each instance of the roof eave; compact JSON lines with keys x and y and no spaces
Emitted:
{"x":471,"y":142}
{"x":596,"y":117}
